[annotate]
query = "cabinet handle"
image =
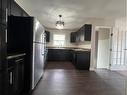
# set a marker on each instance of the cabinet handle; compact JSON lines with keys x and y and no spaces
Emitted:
{"x":11,"y":80}
{"x":6,"y":15}
{"x":6,"y":35}
{"x":19,"y":60}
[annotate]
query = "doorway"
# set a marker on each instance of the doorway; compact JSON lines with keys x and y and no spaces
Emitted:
{"x":103,"y":47}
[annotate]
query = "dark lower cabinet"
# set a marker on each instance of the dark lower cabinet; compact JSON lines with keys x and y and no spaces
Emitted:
{"x":82,"y":60}
{"x":20,"y":74}
{"x":58,"y":55}
{"x":12,"y":81}
{"x":3,"y":82}
{"x":15,"y":76}
{"x":0,"y":82}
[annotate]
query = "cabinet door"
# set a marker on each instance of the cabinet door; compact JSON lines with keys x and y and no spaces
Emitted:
{"x":3,"y":83}
{"x":3,"y":64}
{"x":20,"y":74}
{"x":77,"y":34}
{"x":47,"y":36}
{"x":15,"y":75}
{"x":72,"y":37}
{"x":82,"y":60}
{"x":12,"y":81}
{"x":82,"y":34}
{"x":88,"y":30}
{"x":0,"y":47}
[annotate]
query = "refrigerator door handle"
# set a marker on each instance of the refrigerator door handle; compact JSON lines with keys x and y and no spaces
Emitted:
{"x":6,"y":35}
{"x":11,"y":80}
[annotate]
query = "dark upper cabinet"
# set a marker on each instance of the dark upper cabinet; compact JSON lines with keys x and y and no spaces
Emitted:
{"x":87,"y":32}
{"x":82,"y":37}
{"x":47,"y":33}
{"x":77,"y":36}
{"x":73,"y":37}
{"x":83,"y":34}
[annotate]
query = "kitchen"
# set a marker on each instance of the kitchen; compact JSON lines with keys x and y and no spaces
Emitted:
{"x":57,"y":40}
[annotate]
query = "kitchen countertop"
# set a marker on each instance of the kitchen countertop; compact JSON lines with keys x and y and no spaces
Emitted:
{"x":81,"y":49}
{"x":70,"y":48}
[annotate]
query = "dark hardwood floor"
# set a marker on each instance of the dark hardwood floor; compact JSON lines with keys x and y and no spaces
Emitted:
{"x":60,"y":65}
{"x":64,"y":79}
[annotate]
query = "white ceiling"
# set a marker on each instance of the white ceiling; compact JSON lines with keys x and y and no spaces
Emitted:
{"x":74,"y":11}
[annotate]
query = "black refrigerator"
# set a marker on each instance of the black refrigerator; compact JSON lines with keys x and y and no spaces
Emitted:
{"x":27,"y":35}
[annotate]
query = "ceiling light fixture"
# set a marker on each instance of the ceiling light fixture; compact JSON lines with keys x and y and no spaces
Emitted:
{"x":60,"y":23}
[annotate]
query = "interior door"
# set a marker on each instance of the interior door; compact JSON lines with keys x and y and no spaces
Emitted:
{"x":103,"y":48}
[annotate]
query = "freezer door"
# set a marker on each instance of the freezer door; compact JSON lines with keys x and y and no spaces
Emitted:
{"x":38,"y":33}
{"x":38,"y":63}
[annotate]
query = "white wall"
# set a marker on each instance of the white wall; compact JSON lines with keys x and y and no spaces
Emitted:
{"x":103,"y":53}
{"x":119,"y":44}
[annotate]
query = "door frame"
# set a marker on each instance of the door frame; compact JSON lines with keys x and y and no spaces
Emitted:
{"x":96,"y":43}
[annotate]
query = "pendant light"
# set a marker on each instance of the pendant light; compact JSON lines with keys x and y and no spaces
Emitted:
{"x":60,"y":23}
